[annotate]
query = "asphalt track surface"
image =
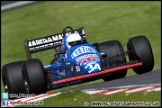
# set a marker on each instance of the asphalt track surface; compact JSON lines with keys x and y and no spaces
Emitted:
{"x":14,"y":5}
{"x":153,"y":77}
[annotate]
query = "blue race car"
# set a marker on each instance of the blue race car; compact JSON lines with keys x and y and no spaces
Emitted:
{"x":76,"y":61}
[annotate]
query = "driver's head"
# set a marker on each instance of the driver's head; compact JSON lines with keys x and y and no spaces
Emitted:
{"x":73,"y":39}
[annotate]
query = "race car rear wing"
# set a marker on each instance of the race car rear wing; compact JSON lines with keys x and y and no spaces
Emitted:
{"x":48,"y":42}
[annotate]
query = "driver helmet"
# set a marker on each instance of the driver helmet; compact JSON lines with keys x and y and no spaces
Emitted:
{"x":73,"y":39}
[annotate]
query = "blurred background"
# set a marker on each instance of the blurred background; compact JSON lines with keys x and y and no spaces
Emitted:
{"x":102,"y":21}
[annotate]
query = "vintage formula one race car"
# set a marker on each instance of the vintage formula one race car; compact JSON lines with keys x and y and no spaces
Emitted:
{"x":75,"y":61}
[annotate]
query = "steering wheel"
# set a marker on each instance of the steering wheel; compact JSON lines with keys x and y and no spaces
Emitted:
{"x":64,"y":30}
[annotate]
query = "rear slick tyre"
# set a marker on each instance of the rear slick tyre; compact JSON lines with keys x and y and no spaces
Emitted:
{"x":35,"y":77}
{"x":113,"y":48}
{"x":13,"y":79}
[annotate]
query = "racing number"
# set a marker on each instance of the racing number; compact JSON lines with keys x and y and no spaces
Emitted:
{"x":92,"y":67}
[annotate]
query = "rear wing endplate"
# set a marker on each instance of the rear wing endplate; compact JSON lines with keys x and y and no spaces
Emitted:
{"x":48,"y":42}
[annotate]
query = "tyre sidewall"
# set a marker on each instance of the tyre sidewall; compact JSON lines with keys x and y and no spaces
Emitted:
{"x":35,"y":76}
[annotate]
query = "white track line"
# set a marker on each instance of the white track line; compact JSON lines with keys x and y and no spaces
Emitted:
{"x":16,"y":4}
{"x":92,"y":91}
{"x":125,"y":90}
{"x":115,"y":91}
{"x":138,"y":89}
{"x":155,"y":89}
{"x":45,"y":97}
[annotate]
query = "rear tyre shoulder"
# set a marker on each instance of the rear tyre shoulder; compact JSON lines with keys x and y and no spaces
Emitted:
{"x":35,"y":76}
{"x":13,"y":78}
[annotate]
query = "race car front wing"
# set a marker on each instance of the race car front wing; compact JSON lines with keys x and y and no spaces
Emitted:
{"x":109,"y":70}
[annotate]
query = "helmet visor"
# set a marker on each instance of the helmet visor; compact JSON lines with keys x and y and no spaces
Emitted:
{"x":74,"y":43}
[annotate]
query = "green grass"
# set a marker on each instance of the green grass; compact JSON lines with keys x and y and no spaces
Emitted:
{"x":79,"y":98}
{"x":105,"y":20}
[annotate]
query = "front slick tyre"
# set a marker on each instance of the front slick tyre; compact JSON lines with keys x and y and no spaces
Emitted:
{"x":141,"y":50}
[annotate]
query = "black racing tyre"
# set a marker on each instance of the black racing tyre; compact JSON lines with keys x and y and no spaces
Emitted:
{"x":141,"y":50}
{"x":34,"y":77}
{"x":113,"y":48}
{"x":13,"y":79}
